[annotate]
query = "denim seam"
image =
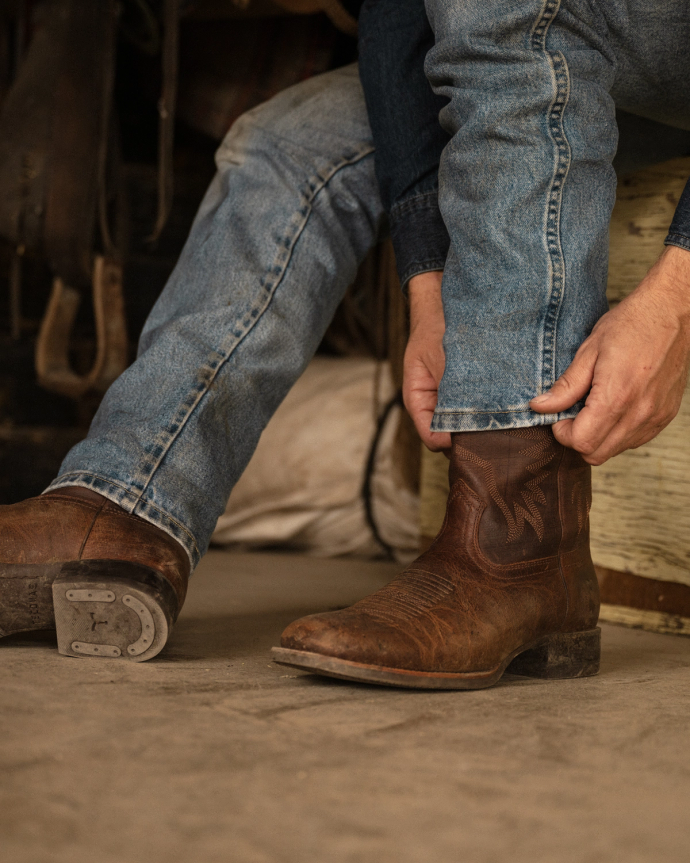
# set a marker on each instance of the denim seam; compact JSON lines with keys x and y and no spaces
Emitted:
{"x":676,"y":239}
{"x":422,"y":201}
{"x":458,"y":421}
{"x":472,"y":411}
{"x":426,"y":262}
{"x":552,"y":214}
{"x":291,"y":148}
{"x":433,"y":266}
{"x":269,"y":283}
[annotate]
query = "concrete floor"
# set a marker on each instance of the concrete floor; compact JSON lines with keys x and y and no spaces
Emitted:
{"x":212,"y":753}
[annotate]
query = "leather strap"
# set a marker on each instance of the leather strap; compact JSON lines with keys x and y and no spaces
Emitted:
{"x":166,"y":115}
{"x":53,"y":129}
{"x":79,"y":137}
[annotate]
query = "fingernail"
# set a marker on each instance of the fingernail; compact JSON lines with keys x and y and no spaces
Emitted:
{"x":541,"y":399}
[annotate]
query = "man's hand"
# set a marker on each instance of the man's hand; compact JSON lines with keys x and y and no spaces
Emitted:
{"x":634,"y":366}
{"x":425,"y":359}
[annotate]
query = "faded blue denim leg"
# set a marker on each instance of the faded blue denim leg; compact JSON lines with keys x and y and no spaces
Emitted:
{"x":527,"y":183}
{"x":290,"y":215}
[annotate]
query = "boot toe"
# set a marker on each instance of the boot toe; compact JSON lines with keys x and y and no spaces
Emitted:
{"x":344,"y":635}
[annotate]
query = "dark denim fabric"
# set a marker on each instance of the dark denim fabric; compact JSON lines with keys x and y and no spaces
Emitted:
{"x":679,"y":232}
{"x":395,"y":36}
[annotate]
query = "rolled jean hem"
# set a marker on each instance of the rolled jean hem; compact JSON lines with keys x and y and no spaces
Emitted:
{"x":133,"y":503}
{"x":471,"y":420}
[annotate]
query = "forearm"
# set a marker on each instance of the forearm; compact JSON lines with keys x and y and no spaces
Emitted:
{"x":426,"y":304}
{"x":672,"y":271}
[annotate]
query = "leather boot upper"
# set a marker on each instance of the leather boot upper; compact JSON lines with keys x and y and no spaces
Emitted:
{"x":510,"y":565}
{"x":79,"y":524}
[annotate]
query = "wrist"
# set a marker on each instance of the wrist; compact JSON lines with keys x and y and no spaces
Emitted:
{"x":427,"y":283}
{"x":426,"y":304}
{"x":671,"y":274}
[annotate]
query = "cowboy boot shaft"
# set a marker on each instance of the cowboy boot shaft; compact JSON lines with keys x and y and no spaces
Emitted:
{"x":519,"y":497}
{"x":515,"y":476}
{"x":110,"y":583}
{"x":575,"y":496}
{"x":510,"y":571}
{"x":79,"y":524}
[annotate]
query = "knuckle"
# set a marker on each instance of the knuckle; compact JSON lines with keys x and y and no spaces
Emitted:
{"x":619,"y":402}
{"x":647,"y":410}
{"x":584,"y":446}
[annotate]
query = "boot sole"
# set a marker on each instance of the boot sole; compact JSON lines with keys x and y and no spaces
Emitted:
{"x":554,"y":657}
{"x":99,"y":608}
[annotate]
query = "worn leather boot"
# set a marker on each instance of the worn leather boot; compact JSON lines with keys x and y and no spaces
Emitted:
{"x":111,"y":583}
{"x":508,"y":584}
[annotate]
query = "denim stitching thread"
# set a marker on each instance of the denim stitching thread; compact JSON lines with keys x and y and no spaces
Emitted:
{"x":676,"y":239}
{"x":422,"y":201}
{"x":269,"y":283}
{"x":562,"y":154}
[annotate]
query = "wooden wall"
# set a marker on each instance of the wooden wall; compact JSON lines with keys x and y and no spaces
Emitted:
{"x":641,"y":507}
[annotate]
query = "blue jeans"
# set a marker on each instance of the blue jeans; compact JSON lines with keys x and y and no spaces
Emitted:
{"x":290,"y":215}
{"x":526,"y":184}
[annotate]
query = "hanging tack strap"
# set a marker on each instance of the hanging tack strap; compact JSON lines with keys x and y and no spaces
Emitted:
{"x":53,"y":365}
{"x":340,"y":16}
{"x":335,"y":10}
{"x":166,"y":115}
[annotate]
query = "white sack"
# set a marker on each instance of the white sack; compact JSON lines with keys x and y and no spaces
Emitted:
{"x":302,"y":488}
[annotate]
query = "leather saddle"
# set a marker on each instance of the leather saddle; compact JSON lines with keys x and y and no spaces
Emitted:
{"x":56,"y":174}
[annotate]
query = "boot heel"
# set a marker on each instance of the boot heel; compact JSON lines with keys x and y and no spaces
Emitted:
{"x":112,"y":608}
{"x":564,"y":654}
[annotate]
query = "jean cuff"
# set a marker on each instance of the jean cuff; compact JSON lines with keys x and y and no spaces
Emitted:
{"x":678,"y":240}
{"x":463,"y":420}
{"x":680,"y":226}
{"x":133,"y":503}
{"x":419,"y":235}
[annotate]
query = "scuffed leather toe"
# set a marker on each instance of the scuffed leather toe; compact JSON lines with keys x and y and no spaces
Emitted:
{"x":352,"y":636}
{"x":510,"y":567}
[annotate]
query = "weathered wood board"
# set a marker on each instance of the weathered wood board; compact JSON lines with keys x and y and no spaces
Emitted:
{"x":645,"y":203}
{"x":641,"y":508}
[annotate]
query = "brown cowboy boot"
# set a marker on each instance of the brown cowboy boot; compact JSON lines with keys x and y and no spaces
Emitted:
{"x":507,"y":584}
{"x":111,"y":583}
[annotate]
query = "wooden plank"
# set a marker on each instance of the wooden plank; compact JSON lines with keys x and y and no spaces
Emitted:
{"x":652,"y":621}
{"x":645,"y":203}
{"x":641,"y":508}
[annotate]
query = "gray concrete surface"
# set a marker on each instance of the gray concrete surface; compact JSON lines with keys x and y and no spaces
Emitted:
{"x":212,"y":753}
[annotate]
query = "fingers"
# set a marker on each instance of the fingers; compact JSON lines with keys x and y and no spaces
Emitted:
{"x":573,"y":385}
{"x":437,"y":441}
{"x":421,"y":405}
{"x":595,"y":422}
{"x":424,"y":364}
{"x":604,"y":429}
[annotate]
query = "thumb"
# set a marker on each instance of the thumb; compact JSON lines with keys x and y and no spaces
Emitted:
{"x":573,"y":385}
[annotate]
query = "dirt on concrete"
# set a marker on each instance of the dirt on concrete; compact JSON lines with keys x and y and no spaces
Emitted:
{"x":211,"y":752}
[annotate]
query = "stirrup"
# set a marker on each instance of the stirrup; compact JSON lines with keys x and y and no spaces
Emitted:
{"x":53,"y":366}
